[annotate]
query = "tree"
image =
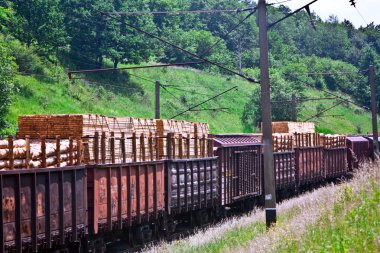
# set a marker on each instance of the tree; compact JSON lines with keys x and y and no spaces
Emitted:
{"x":280,"y":91}
{"x":95,"y":37}
{"x":40,"y":22}
{"x":6,"y":13}
{"x":7,"y":74}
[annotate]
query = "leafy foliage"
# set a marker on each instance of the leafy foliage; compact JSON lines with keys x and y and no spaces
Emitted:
{"x":7,"y":74}
{"x":76,"y":34}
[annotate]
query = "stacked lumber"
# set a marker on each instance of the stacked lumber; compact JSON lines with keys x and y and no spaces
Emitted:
{"x":293,"y":127}
{"x":120,"y":139}
{"x":189,"y":138}
{"x":39,"y":153}
{"x":50,"y":126}
{"x":71,"y":125}
{"x":282,"y":142}
{"x":333,"y":141}
{"x":307,"y":140}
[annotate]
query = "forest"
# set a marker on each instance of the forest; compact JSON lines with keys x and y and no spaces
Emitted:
{"x":44,"y":38}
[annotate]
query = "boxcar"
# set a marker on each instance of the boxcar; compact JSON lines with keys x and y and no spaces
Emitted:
{"x":240,"y":167}
{"x":357,"y":151}
{"x":124,"y":195}
{"x":371,"y":147}
{"x":309,"y":165}
{"x":285,"y":169}
{"x":191,"y":185}
{"x":42,"y":209}
{"x":335,"y":162}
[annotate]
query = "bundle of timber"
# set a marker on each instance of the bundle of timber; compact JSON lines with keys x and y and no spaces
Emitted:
{"x":307,"y":140}
{"x":71,"y":125}
{"x":119,"y":139}
{"x":39,"y":153}
{"x":190,"y":139}
{"x":282,"y":142}
{"x":293,"y":127}
{"x":333,"y":140}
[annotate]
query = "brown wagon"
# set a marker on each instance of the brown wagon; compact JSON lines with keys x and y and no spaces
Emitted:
{"x":357,"y":151}
{"x":42,"y":208}
{"x":309,"y":165}
{"x":285,"y":169}
{"x":335,"y":162}
{"x":123,"y":195}
{"x":191,"y":184}
{"x":371,"y":146}
{"x":240,"y":167}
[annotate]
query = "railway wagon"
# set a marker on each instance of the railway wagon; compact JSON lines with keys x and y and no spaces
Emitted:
{"x":309,"y":165}
{"x":285,"y":170}
{"x":357,"y":151}
{"x":192,"y":189}
{"x":122,"y":196}
{"x":240,"y":168}
{"x":43,"y":209}
{"x":371,"y":146}
{"x":335,"y":162}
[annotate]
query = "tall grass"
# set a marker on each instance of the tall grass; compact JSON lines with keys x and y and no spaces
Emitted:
{"x":335,"y":218}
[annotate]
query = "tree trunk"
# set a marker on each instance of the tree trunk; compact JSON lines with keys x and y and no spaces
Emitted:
{"x":239,"y":59}
{"x":100,"y":61}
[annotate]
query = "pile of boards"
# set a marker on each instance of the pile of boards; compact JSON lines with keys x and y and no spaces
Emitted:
{"x":120,"y":139}
{"x":283,"y":142}
{"x":27,"y":153}
{"x":293,"y":127}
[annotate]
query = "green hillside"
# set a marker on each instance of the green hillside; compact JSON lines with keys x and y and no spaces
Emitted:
{"x":186,"y":87}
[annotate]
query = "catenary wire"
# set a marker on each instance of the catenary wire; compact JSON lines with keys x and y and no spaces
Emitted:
{"x":291,"y":14}
{"x":330,"y":93}
{"x":277,"y":2}
{"x":328,"y":109}
{"x":361,"y":16}
{"x":229,"y":32}
{"x":214,"y":97}
{"x":250,"y":79}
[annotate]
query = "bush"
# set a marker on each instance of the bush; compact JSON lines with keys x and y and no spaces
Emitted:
{"x":27,"y":60}
{"x":7,"y":73}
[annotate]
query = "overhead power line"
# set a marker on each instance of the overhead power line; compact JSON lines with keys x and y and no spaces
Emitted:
{"x":362,"y":16}
{"x":277,"y":2}
{"x":306,"y":7}
{"x":330,"y":93}
{"x":229,"y":32}
{"x":333,"y":115}
{"x":323,"y":73}
{"x":302,"y":100}
{"x":210,"y":109}
{"x":195,"y":106}
{"x":176,"y":12}
{"x":71,"y":72}
{"x":171,"y":94}
{"x":250,"y":79}
{"x":188,"y":91}
{"x":328,"y":109}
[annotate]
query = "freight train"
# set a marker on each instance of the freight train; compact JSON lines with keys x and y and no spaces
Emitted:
{"x":84,"y":207}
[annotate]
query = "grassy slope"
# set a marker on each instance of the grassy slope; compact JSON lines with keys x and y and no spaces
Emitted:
{"x":336,"y":218}
{"x":41,"y":96}
{"x":353,"y":119}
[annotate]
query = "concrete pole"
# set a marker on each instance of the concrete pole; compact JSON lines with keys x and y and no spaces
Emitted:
{"x":294,"y":108}
{"x":157,"y":107}
{"x":374,"y":109}
{"x":269,"y":181}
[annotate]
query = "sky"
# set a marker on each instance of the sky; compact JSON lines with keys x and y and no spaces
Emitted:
{"x":370,"y":9}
